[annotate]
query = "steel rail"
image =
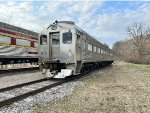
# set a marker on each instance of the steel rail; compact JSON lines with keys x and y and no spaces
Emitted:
{"x":21,"y":85}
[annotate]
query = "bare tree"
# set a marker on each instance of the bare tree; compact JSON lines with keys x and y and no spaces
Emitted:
{"x":140,"y":36}
{"x":123,"y":50}
{"x":117,"y":49}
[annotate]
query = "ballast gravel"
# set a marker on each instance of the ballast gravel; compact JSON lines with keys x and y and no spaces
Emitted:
{"x":18,"y":91}
{"x":27,"y":105}
{"x":11,"y":79}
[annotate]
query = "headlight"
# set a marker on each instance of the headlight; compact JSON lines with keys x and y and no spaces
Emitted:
{"x":53,"y":27}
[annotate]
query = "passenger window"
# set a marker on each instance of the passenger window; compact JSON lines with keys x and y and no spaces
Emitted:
{"x":89,"y":47}
{"x":102,"y":51}
{"x":55,"y":39}
{"x":67,"y":38}
{"x":43,"y":39}
{"x":94,"y":48}
{"x":84,"y":45}
{"x":99,"y":50}
{"x":78,"y":40}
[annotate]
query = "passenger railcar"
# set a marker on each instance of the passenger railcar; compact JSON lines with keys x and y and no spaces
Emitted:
{"x":17,"y":45}
{"x":65,"y":50}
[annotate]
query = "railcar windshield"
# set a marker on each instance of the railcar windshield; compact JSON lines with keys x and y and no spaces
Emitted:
{"x":43,"y":39}
{"x":55,"y":38}
{"x":67,"y":37}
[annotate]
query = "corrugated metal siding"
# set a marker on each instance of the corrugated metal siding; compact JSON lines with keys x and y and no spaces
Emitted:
{"x":16,"y":41}
{"x":5,"y":39}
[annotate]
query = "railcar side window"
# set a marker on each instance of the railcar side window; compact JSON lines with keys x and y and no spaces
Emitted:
{"x":90,"y":47}
{"x":67,"y":38}
{"x":78,"y":40}
{"x":99,"y":50}
{"x":84,"y":45}
{"x":43,"y":39}
{"x":102,"y":51}
{"x":94,"y":48}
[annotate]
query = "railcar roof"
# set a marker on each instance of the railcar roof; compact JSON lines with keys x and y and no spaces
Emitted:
{"x":18,"y":29}
{"x":70,"y":24}
{"x":91,"y":37}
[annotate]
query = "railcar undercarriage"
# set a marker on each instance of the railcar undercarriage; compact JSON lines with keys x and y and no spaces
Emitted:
{"x":55,"y":69}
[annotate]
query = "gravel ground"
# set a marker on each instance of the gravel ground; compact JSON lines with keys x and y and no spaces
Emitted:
{"x":10,"y":79}
{"x":27,"y":105}
{"x":18,"y":91}
{"x":121,"y":88}
{"x":14,"y":73}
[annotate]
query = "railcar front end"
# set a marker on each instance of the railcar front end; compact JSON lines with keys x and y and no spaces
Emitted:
{"x":57,"y":50}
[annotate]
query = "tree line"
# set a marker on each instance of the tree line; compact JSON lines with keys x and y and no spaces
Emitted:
{"x":136,"y":49}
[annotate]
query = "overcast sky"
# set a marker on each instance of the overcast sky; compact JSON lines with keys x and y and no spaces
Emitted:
{"x":106,"y":20}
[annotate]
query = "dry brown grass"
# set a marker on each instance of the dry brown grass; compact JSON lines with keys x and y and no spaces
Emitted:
{"x":117,"y":89}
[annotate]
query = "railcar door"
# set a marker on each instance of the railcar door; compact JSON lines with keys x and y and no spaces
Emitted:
{"x":55,"y":47}
{"x":78,"y":47}
{"x":43,"y":48}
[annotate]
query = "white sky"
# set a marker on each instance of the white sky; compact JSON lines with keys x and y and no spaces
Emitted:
{"x":106,"y":20}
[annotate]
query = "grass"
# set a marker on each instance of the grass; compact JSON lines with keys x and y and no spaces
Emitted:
{"x":122,"y":88}
{"x":142,"y":66}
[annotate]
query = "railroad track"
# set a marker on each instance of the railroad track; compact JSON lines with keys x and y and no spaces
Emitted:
{"x":19,"y":97}
{"x":21,"y":85}
{"x":25,"y":95}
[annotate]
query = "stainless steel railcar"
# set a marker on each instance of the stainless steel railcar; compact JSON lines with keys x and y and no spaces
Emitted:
{"x":17,"y":45}
{"x":65,"y":50}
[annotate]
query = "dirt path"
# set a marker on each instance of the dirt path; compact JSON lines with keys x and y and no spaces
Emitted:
{"x":121,"y":88}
